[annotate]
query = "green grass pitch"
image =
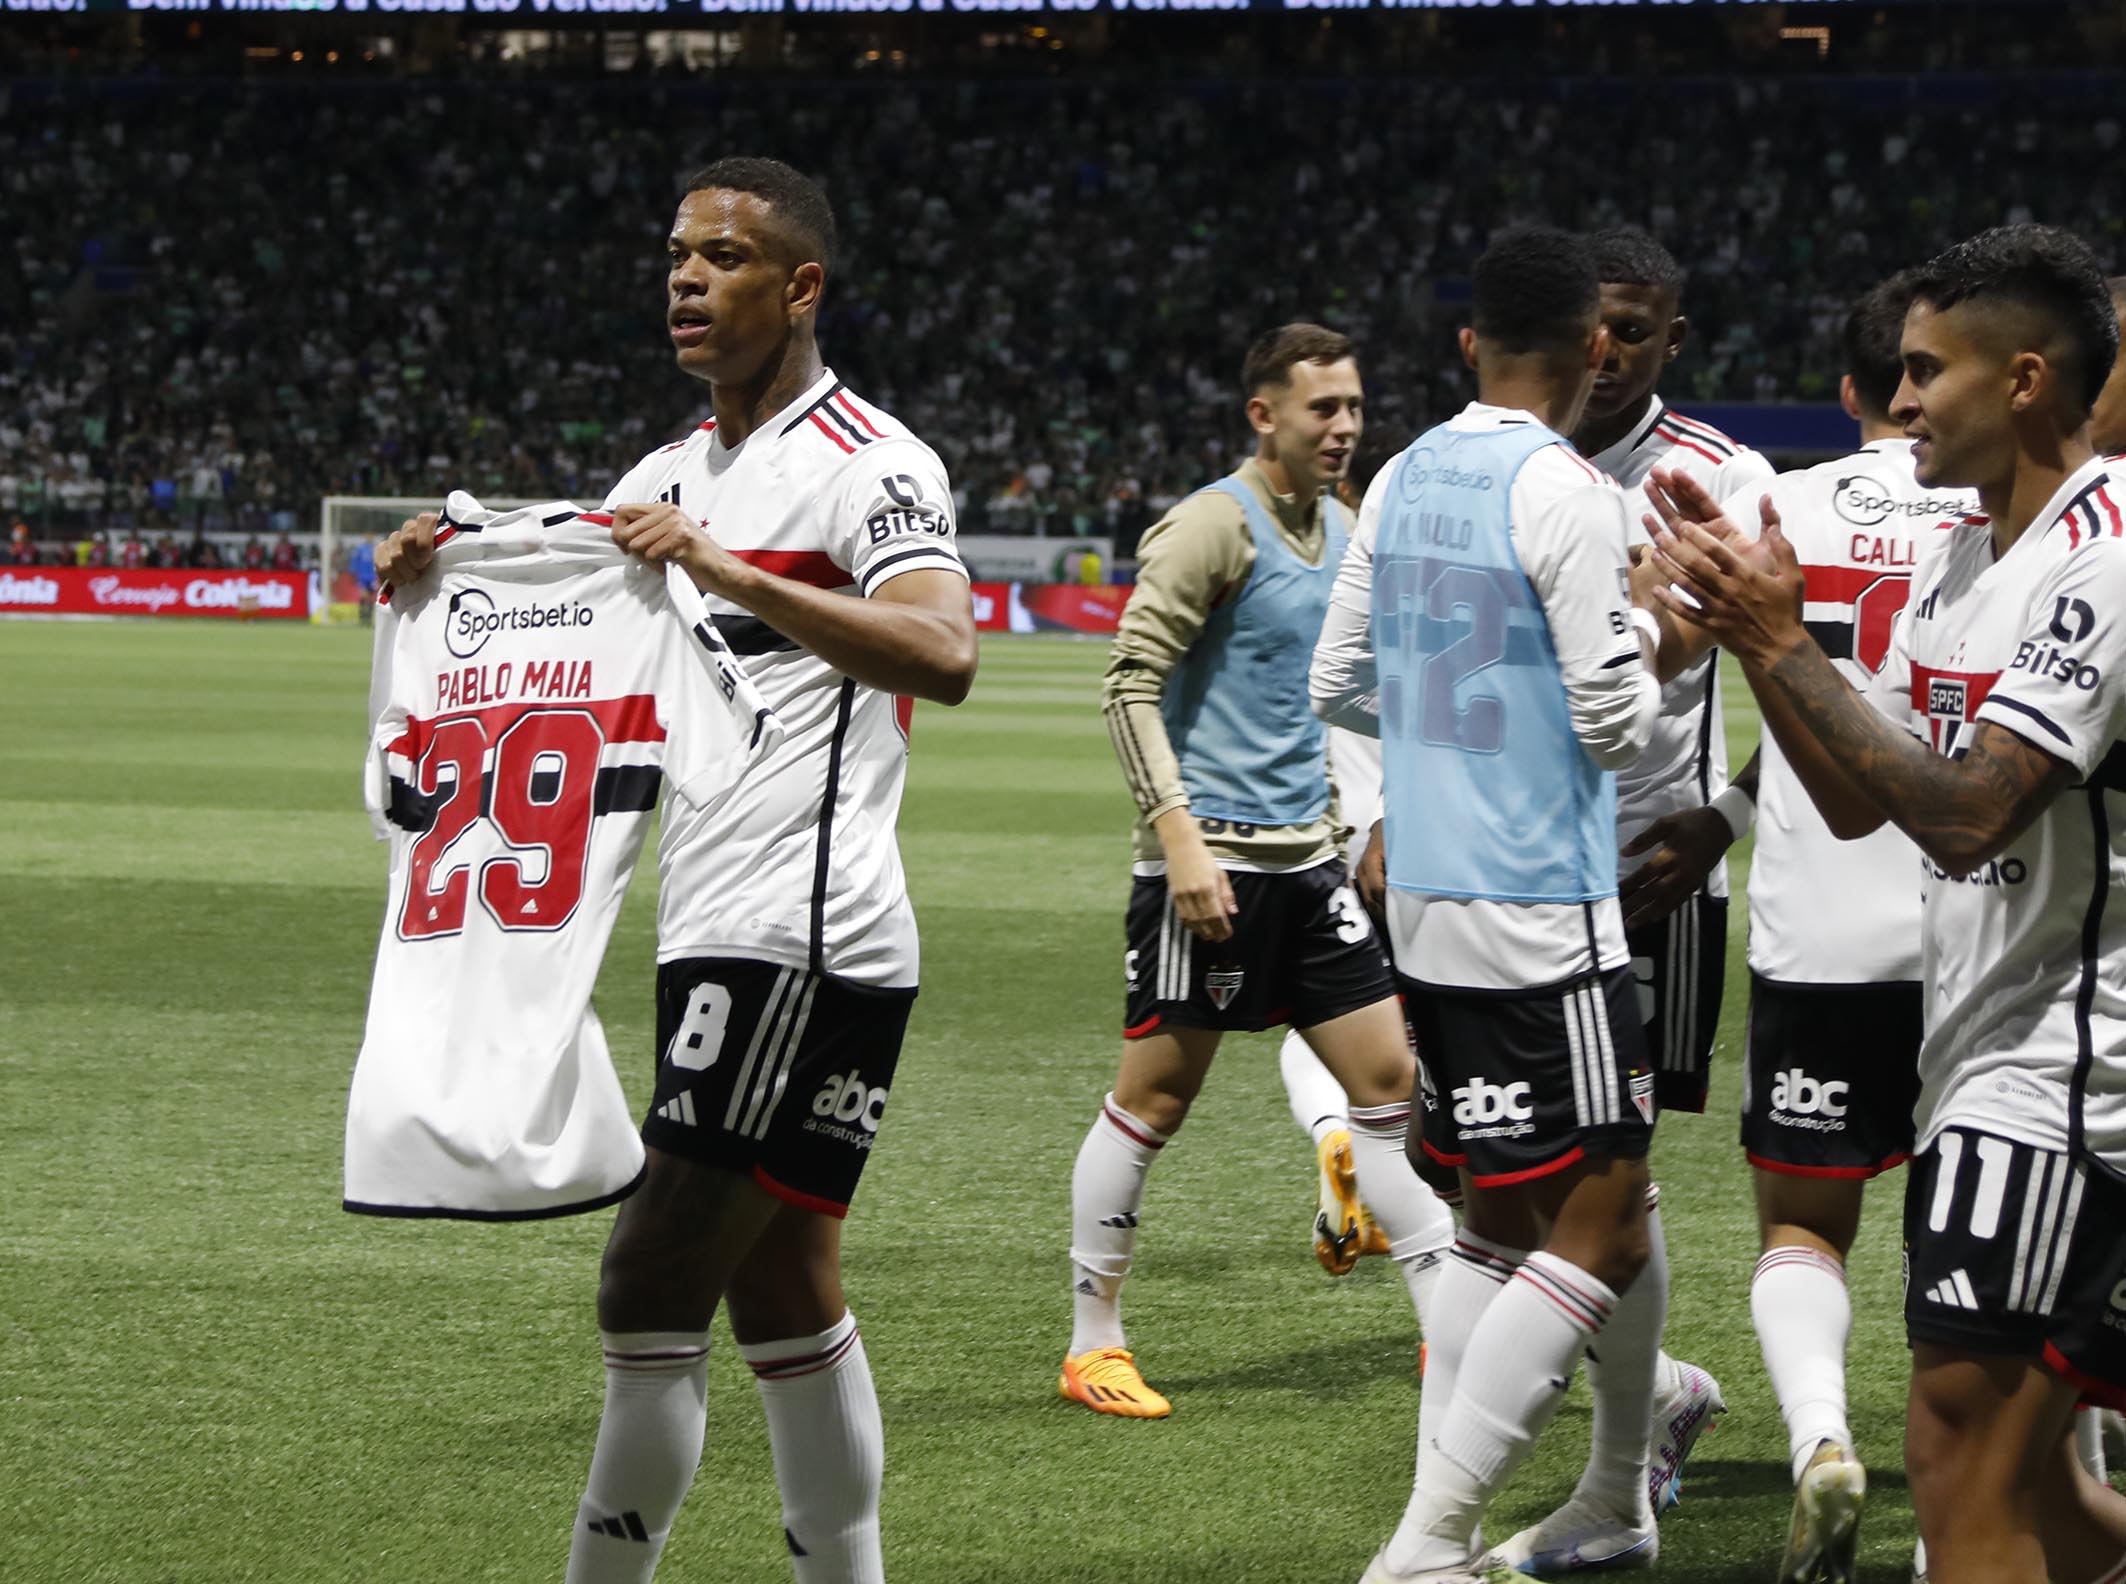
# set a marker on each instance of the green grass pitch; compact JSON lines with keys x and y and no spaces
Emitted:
{"x":209,"y":1373}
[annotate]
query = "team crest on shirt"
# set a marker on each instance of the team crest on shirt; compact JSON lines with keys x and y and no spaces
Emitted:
{"x":1222,"y":984}
{"x":1642,"y":1096}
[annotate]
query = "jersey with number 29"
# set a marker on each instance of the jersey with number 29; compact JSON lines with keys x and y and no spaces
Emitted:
{"x":528,"y":697}
{"x":799,"y":866}
{"x":2025,"y":957}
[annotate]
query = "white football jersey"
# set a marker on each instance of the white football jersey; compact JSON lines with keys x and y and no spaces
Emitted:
{"x":799,"y":866}
{"x":2025,"y":959}
{"x":1825,"y":911}
{"x":1685,"y":766}
{"x":528,"y":696}
{"x":1354,"y":763}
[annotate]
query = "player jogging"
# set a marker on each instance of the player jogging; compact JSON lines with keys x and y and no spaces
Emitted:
{"x":1482,"y":626}
{"x":1241,"y":915}
{"x":820,"y":532}
{"x":2008,"y":665}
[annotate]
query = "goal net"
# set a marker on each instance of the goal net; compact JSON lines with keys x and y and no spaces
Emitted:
{"x":346,"y":522}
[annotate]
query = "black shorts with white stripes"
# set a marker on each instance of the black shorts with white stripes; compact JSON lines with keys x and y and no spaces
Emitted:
{"x":1527,"y":1082}
{"x":1830,"y":1075}
{"x":2018,"y":1250}
{"x":1302,"y":951}
{"x":774,"y":1072}
{"x":1681,"y":965}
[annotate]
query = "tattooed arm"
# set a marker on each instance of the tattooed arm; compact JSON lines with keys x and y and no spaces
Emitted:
{"x":1961,"y":812}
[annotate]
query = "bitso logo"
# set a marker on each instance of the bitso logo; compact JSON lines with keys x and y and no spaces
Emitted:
{"x":1796,"y":1092}
{"x":849,"y":1099}
{"x":1480,"y":1102}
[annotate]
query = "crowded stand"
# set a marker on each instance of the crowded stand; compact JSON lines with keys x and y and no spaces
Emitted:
{"x":222,"y":306}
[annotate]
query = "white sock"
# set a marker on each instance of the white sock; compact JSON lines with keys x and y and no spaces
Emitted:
{"x":2089,"y":1444}
{"x":1106,"y":1187}
{"x":1318,"y":1102}
{"x":830,"y":1451}
{"x":1623,"y":1379}
{"x":1510,"y":1381}
{"x":1419,"y":1225}
{"x":649,"y":1445}
{"x":1799,"y":1305}
{"x":1471,"y":1278}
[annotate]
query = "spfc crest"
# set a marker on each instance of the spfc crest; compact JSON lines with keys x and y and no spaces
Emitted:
{"x":1642,"y":1095}
{"x":1222,"y":984}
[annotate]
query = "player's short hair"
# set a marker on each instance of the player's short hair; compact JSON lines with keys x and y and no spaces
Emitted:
{"x":1627,"y":256}
{"x":1271,"y":358}
{"x":2042,"y":270}
{"x":1873,"y":331}
{"x":1380,"y":443}
{"x":1536,"y":290}
{"x":795,"y":198}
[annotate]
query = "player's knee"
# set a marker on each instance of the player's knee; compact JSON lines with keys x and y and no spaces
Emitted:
{"x":1618,"y":1265}
{"x":1161,"y":1110}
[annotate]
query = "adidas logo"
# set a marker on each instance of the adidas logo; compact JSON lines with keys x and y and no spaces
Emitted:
{"x":628,"y":1526}
{"x":1085,"y":1286}
{"x":1954,"y":1291}
{"x":680,"y":1110}
{"x":1127,"y":1218}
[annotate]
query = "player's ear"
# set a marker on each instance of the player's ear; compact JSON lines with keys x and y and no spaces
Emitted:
{"x":1468,"y":344}
{"x":2031,"y":380}
{"x":1678,"y":333}
{"x":1261,"y":417}
{"x":807,"y":281}
{"x":1848,"y":398}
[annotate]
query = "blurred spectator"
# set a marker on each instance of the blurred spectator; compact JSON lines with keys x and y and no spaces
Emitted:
{"x":232,"y":309}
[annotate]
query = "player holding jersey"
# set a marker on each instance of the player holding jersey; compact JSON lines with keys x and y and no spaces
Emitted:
{"x":819,"y":531}
{"x":1482,"y":626}
{"x":2008,"y":666}
{"x":1241,"y":915}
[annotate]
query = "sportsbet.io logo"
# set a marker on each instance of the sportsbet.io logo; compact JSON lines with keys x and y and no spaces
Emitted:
{"x":473,"y":619}
{"x":1423,"y":467}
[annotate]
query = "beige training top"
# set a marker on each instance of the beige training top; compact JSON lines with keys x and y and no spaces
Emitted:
{"x":1193,"y":560}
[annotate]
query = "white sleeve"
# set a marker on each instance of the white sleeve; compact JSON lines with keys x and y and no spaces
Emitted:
{"x":1741,"y":479}
{"x":892,"y":513}
{"x":1344,"y":681}
{"x":1570,"y":533}
{"x":715,"y":720}
{"x":387,"y":714}
{"x":2066,"y":691}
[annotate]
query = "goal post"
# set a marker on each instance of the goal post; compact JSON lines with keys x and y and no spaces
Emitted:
{"x":346,"y":522}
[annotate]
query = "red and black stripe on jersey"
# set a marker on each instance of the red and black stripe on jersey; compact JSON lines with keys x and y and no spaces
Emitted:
{"x":1692,"y":435}
{"x":620,"y":788}
{"x":2093,"y":514}
{"x":838,"y":417}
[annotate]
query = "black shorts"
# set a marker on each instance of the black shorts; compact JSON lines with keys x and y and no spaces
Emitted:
{"x":1302,"y":952}
{"x":1530,"y":1081}
{"x":2017,"y":1250}
{"x":1681,"y":966}
{"x":1431,"y":1146}
{"x":774,"y":1072}
{"x":1830,"y":1075}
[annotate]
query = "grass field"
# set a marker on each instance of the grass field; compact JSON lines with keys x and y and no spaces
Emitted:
{"x":209,"y":1373}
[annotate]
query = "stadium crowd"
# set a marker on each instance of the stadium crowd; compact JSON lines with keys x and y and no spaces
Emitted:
{"x":220,"y":302}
